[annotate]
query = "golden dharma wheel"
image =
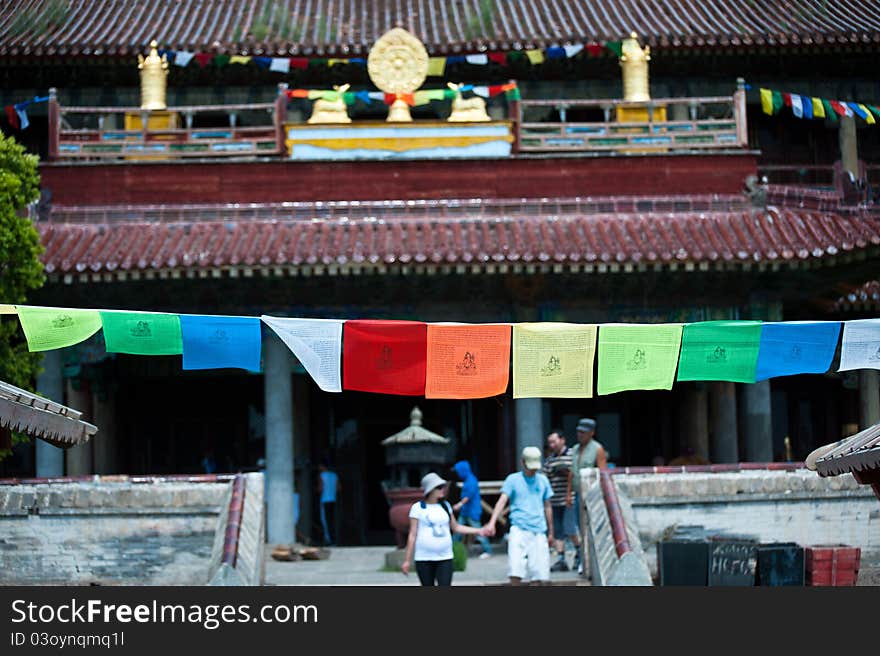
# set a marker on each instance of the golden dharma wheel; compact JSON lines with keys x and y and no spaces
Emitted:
{"x":398,"y":64}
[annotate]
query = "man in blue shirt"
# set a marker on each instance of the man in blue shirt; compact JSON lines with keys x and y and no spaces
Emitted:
{"x":531,"y":520}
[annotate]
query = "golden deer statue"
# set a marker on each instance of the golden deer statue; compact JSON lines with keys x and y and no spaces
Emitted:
{"x":467,"y":110}
{"x":331,"y":111}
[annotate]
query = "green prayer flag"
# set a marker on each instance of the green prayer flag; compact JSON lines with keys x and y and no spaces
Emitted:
{"x":437,"y":94}
{"x":221,"y":60}
{"x":330,"y":96}
{"x":449,"y":94}
{"x":349,"y":98}
{"x":615,"y":46}
{"x":637,"y":357}
{"x":829,"y":110}
{"x":142,"y":333}
{"x":49,"y":328}
{"x":513,"y":94}
{"x":776,"y":97}
{"x":515,"y":55}
{"x":720,"y":350}
{"x":874,"y":109}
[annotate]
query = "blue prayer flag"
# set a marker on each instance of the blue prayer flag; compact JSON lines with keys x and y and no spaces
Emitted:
{"x":858,"y":110}
{"x":455,"y":59}
{"x":807,"y":105}
{"x":554,"y":52}
{"x":218,"y":342}
{"x":790,"y":348}
{"x":263,"y":62}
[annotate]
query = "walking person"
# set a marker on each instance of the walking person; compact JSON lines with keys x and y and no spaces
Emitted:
{"x":531,"y":520}
{"x":557,"y":466}
{"x":470,"y":507}
{"x":329,"y":488}
{"x":588,"y":452}
{"x":431,"y":524}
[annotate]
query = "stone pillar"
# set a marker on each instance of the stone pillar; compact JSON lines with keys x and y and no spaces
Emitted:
{"x":305,"y":480}
{"x":79,"y":458}
{"x":722,"y":402}
{"x":50,"y":383}
{"x":849,"y":152}
{"x":104,"y":441}
{"x":869,"y":398}
{"x":695,"y":419}
{"x":529,"y":425}
{"x":759,"y":422}
{"x":278,"y":396}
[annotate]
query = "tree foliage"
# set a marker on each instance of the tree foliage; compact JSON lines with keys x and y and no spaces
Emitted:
{"x":20,"y":268}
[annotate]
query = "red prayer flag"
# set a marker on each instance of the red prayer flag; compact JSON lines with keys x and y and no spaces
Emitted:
{"x":299,"y":62}
{"x":495,"y":89}
{"x":390,"y":98}
{"x":839,"y":108}
{"x":594,"y":49}
{"x":12,"y":116}
{"x":786,"y":98}
{"x":498,"y":58}
{"x":203,"y":58}
{"x":387,"y":357}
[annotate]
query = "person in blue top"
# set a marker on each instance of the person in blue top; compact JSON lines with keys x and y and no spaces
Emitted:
{"x":470,"y":508}
{"x":328,"y":487}
{"x":531,"y":520}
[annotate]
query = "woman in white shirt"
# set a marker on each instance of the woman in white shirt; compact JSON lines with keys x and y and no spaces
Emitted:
{"x":431,"y":524}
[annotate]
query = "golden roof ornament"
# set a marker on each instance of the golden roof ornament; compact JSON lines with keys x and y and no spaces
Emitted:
{"x":634,"y":62}
{"x":154,"y":74}
{"x":398,"y":64}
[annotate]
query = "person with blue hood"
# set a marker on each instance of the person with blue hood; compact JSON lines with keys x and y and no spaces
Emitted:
{"x":470,"y":506}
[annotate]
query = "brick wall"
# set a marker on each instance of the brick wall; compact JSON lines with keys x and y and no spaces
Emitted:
{"x":775,"y":506}
{"x":108,"y":532}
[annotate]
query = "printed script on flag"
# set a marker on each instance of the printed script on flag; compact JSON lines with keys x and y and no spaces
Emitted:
{"x":218,"y":342}
{"x":387,"y":357}
{"x":720,"y":350}
{"x":553,"y":360}
{"x":317,"y":344}
{"x":797,"y":347}
{"x":467,"y":361}
{"x":48,"y":328}
{"x":860,"y":348}
{"x":142,"y":333}
{"x":637,"y":357}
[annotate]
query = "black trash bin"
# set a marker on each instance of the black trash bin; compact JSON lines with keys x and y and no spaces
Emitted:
{"x":683,"y":558}
{"x":732,"y":560}
{"x":780,"y":563}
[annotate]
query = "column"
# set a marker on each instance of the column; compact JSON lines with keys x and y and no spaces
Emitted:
{"x":849,"y":152}
{"x":50,"y":383}
{"x":759,"y":422}
{"x":722,"y":402}
{"x":695,"y":419}
{"x":869,"y":398}
{"x":104,"y":441}
{"x":529,"y":425}
{"x":305,"y":481}
{"x":79,"y":458}
{"x":278,"y":396}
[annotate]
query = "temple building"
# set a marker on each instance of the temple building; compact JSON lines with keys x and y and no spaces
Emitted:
{"x":440,"y":161}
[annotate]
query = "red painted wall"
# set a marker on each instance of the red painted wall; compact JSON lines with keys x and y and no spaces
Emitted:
{"x":265,"y":182}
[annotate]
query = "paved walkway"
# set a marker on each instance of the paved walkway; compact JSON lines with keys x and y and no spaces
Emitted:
{"x":365,"y":566}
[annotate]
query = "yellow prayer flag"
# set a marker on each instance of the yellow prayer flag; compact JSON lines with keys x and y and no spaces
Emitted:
{"x":437,"y":66}
{"x":313,"y":94}
{"x":7,"y":309}
{"x":870,"y":120}
{"x":553,"y":360}
{"x":535,"y":56}
{"x":767,"y":101}
{"x":239,"y":59}
{"x":334,"y":62}
{"x":818,"y":108}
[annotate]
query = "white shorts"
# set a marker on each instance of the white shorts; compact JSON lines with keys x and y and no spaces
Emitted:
{"x":528,"y":553}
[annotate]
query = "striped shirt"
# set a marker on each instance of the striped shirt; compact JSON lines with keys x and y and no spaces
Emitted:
{"x":556,"y":469}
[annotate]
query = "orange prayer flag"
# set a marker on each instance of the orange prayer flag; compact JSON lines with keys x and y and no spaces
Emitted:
{"x":298,"y":93}
{"x":467,"y":361}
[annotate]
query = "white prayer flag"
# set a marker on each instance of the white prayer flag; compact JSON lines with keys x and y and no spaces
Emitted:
{"x":572,"y":50}
{"x":317,"y":344}
{"x":860,"y":348}
{"x":280,"y":64}
{"x":182,"y":58}
{"x":481,"y":91}
{"x":479,"y":60}
{"x":796,"y":105}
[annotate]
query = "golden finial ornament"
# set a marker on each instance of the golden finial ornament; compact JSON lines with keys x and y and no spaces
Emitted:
{"x":331,"y":110}
{"x":466,"y":110}
{"x":398,"y":64}
{"x":634,"y":62}
{"x":154,"y":74}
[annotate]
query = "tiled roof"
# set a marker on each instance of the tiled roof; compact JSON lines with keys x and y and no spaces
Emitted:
{"x":602,"y":241}
{"x":854,"y":454}
{"x":349,"y":27}
{"x":33,"y":415}
{"x":863,"y":297}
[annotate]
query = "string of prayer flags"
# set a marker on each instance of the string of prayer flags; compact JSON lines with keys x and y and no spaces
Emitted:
{"x":387,"y":357}
{"x":860,"y":348}
{"x":467,"y":361}
{"x":317,"y":344}
{"x":553,"y":360}
{"x":797,"y":347}
{"x":637,"y":357}
{"x":720,"y":350}
{"x":47,"y":328}
{"x":141,"y":333}
{"x":808,"y":107}
{"x":219,"y":342}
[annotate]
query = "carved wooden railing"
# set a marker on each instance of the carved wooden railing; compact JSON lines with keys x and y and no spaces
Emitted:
{"x":712,"y":123}
{"x":90,"y":133}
